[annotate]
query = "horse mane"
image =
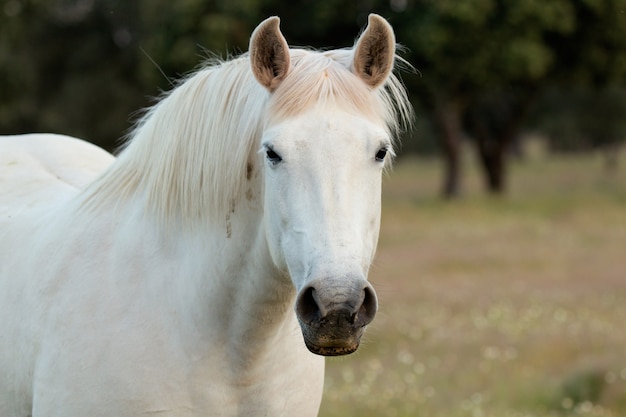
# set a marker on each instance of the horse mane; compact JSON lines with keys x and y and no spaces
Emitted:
{"x":189,"y":155}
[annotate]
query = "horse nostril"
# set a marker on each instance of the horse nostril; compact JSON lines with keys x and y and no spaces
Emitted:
{"x":367,"y":311}
{"x":307,"y":307}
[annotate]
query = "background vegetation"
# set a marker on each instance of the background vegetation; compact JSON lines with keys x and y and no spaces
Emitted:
{"x":509,"y":306}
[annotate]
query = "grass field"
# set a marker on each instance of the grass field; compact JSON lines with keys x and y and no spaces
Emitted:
{"x":495,"y":307}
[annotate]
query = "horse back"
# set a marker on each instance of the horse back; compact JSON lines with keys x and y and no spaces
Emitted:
{"x":41,"y":169}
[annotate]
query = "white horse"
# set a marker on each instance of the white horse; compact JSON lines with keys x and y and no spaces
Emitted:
{"x":163,"y":282}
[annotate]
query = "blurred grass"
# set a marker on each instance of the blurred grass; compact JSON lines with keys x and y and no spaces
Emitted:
{"x":512,"y":306}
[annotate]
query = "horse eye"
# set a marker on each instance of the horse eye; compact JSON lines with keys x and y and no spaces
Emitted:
{"x":380,"y":155}
{"x":272,"y":156}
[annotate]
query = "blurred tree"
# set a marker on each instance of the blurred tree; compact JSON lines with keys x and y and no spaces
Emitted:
{"x":481,"y":63}
{"x":586,"y":100}
{"x":81,"y":67}
{"x":484,"y":62}
{"x":44,"y":87}
{"x":328,"y":24}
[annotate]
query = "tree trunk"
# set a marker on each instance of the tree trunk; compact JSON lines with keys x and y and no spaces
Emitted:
{"x":494,"y":120}
{"x":448,"y":124}
{"x":493,"y":156}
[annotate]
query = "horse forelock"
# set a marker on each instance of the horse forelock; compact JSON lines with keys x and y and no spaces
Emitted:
{"x":316,"y":79}
{"x":320,"y":78}
{"x":190,"y":156}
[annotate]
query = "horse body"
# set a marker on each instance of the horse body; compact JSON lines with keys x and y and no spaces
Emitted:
{"x":164,"y":282}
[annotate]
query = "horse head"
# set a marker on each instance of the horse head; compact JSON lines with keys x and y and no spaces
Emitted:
{"x":325,"y":147}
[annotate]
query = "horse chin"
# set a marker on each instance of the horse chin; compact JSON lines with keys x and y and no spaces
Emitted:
{"x":331,"y":350}
{"x":331,"y":341}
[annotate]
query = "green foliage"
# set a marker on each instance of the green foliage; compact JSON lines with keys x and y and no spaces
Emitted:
{"x":584,"y":386}
{"x":599,"y":42}
{"x":475,"y":44}
{"x":82,"y":67}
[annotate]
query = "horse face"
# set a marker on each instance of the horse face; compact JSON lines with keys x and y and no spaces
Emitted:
{"x":322,"y":212}
{"x":323,"y":183}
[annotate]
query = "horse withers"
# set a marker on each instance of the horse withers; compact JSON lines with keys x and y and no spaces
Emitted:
{"x":194,"y":274}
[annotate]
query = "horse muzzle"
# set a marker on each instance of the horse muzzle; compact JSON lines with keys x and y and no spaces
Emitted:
{"x":333,"y":314}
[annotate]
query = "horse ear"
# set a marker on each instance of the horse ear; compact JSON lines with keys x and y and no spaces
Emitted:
{"x":269,"y":53}
{"x":374,"y":52}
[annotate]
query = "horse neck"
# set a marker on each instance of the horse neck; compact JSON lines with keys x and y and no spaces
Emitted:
{"x":191,"y":178}
{"x":237,"y":293}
